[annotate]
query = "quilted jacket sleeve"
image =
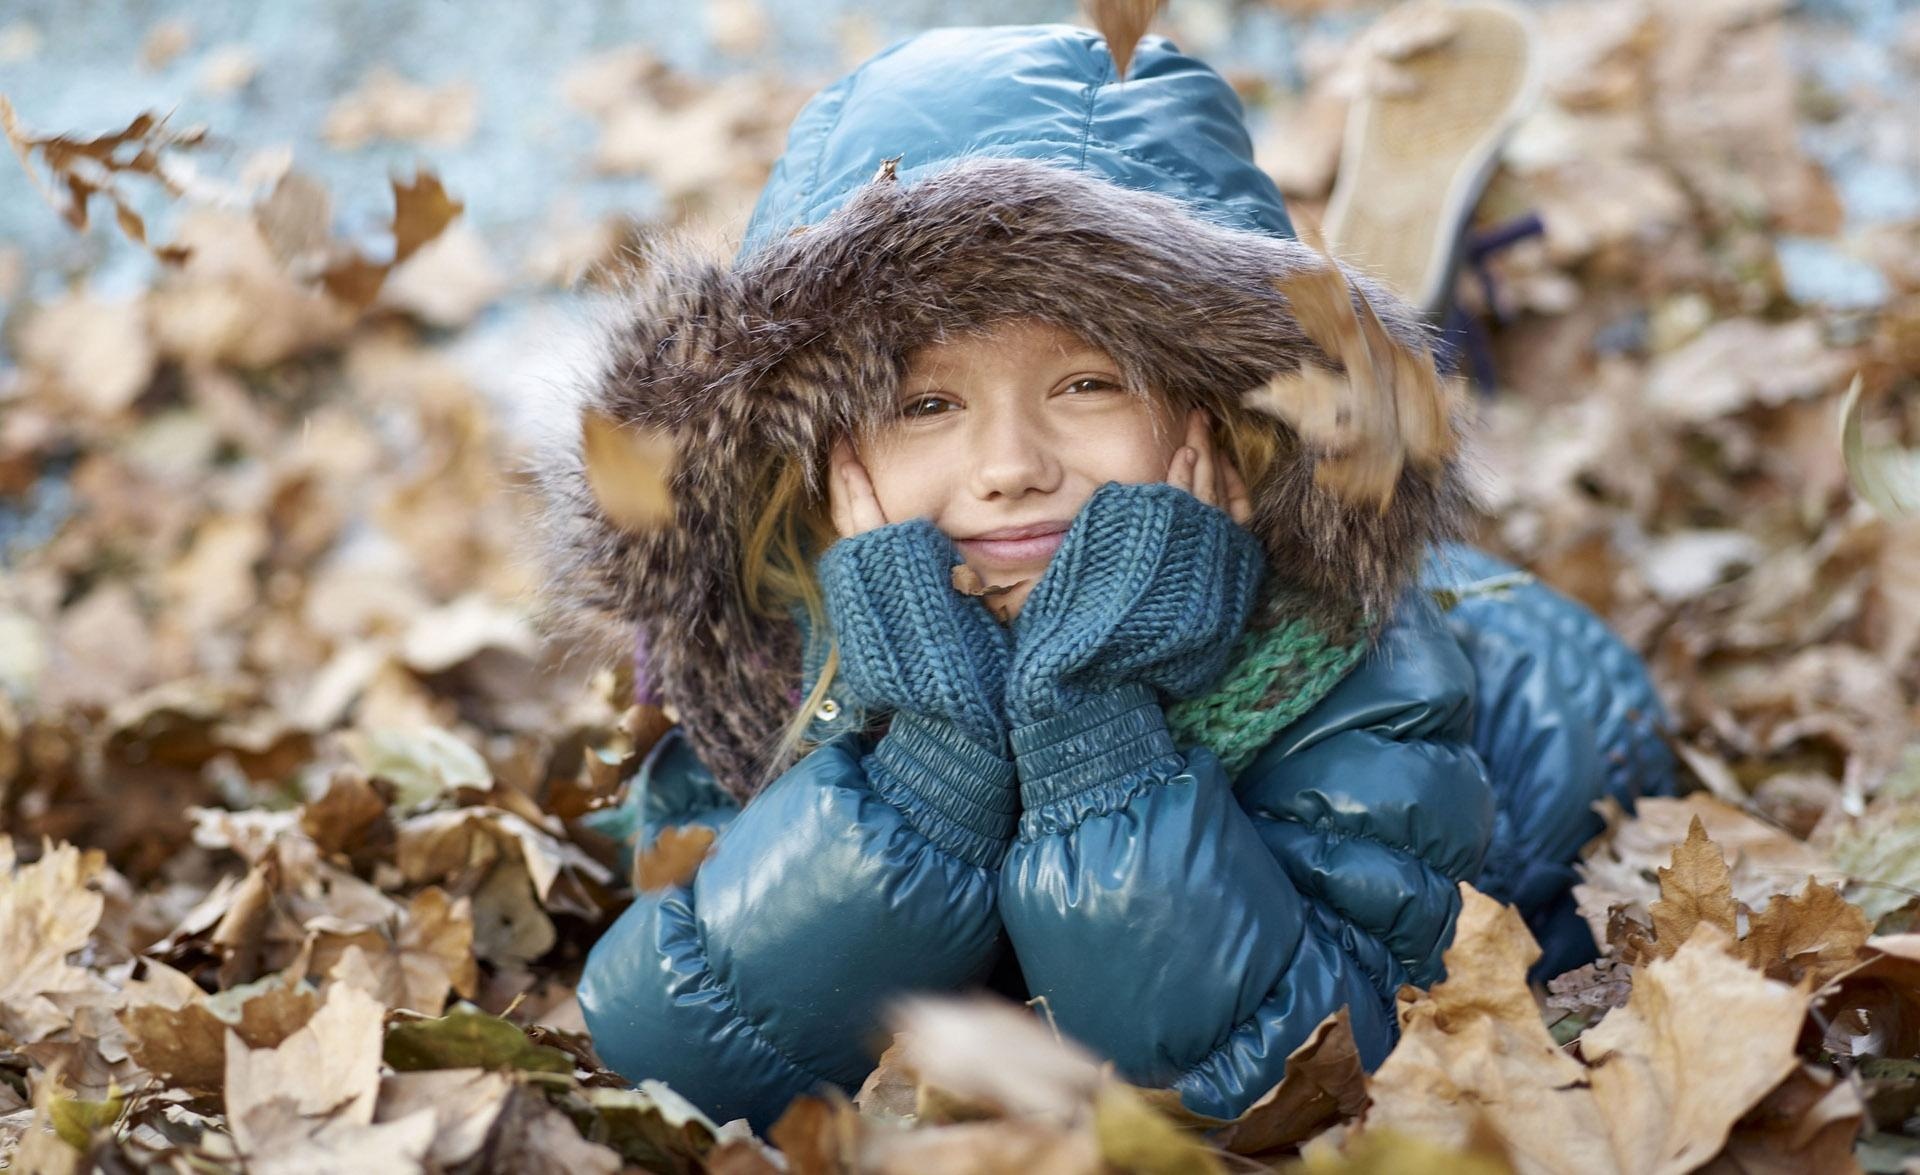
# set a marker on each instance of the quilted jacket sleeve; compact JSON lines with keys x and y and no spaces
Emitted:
{"x":820,"y":898}
{"x":1376,"y":803}
{"x":1197,"y":940}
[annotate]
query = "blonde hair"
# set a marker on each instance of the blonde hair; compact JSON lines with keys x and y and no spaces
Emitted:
{"x":792,"y":527}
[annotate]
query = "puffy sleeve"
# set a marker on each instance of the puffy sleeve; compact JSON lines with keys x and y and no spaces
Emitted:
{"x":1196,"y":931}
{"x":848,"y":879}
{"x":1376,"y":803}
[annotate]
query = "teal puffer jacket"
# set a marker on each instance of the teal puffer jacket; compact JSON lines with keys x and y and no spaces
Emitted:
{"x":1197,"y":932}
{"x":1469,"y":745}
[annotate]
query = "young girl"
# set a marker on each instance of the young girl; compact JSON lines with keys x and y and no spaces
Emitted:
{"x":1008,"y":646}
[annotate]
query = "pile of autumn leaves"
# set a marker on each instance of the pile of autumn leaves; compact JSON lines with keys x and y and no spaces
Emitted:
{"x":1763,"y":1031}
{"x":1710,"y":1031}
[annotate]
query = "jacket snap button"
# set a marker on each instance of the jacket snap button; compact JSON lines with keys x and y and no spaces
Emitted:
{"x":829,"y":710}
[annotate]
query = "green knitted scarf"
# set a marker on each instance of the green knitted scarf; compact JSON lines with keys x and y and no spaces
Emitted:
{"x":1278,"y":674}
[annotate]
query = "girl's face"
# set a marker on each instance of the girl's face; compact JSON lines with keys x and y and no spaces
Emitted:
{"x":1004,"y":434}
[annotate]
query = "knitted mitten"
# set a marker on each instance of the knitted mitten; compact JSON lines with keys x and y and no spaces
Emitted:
{"x":910,"y":643}
{"x":1150,"y":586}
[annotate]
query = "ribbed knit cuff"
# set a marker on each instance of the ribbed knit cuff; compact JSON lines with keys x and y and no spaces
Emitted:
{"x":1116,"y":737}
{"x":958,"y":794}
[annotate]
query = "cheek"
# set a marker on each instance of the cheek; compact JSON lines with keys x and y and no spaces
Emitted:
{"x":1128,"y":453}
{"x":907,"y":483}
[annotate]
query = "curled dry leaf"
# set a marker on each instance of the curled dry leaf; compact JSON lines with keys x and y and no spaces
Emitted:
{"x":1123,"y":23}
{"x":673,"y":858}
{"x":628,"y":471}
{"x":1325,"y":1083}
{"x":1887,"y":478}
{"x":83,"y":167}
{"x":186,"y":1045}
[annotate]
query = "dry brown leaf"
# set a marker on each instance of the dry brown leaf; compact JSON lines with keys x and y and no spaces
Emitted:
{"x":1696,"y":889}
{"x":672,"y":858}
{"x":421,"y":211}
{"x":1699,"y":1012}
{"x":1384,"y":408}
{"x":892,"y":1089}
{"x":1123,"y":23}
{"x":386,"y":106}
{"x":629,"y":471}
{"x":186,"y":1045}
{"x":278,"y":1137}
{"x":1886,"y":477}
{"x":330,"y":1066}
{"x":1807,"y":1124}
{"x":1813,"y":935}
{"x":465,"y":1103}
{"x":1477,"y":1041}
{"x":991,"y":1051}
{"x":83,"y":167}
{"x":432,"y":955}
{"x":48,"y":911}
{"x":346,"y":813}
{"x":1620,"y":868}
{"x":1475,"y":1045}
{"x":819,"y":1134}
{"x":1324,"y":1084}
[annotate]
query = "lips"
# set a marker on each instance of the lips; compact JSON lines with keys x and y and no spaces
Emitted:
{"x":1014,"y":547}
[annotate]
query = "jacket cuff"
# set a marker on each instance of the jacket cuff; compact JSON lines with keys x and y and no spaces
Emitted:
{"x":1116,"y":737}
{"x":958,"y":794}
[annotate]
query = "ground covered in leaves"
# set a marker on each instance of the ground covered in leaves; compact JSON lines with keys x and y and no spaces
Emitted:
{"x":295,"y":878}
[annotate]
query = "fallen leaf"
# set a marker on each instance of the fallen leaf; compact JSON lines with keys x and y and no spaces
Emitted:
{"x":1385,"y":407}
{"x":1888,"y":478}
{"x":1696,"y":889}
{"x":330,"y":1066}
{"x":1475,"y":1046}
{"x":48,"y":911}
{"x":992,"y":1051}
{"x":468,"y":1038}
{"x":1681,"y":1021}
{"x":464,"y":1103}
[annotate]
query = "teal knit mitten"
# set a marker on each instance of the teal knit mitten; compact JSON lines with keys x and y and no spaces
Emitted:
{"x":1150,"y":587}
{"x":909,"y":642}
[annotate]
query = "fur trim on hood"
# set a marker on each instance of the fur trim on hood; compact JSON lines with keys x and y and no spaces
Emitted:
{"x":754,"y":363}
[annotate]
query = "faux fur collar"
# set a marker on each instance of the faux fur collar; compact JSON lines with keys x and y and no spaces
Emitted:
{"x":764,"y":361}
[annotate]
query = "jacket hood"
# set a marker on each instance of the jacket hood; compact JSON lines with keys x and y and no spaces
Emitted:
{"x":960,"y":177}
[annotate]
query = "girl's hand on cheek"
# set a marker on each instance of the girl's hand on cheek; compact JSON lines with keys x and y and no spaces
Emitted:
{"x":1207,"y":475}
{"x":850,"y":495}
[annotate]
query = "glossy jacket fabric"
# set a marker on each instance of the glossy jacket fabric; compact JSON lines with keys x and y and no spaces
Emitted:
{"x":1195,"y":927}
{"x":1469,"y":745}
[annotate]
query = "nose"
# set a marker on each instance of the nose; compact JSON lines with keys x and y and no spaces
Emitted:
{"x":1013,"y":453}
